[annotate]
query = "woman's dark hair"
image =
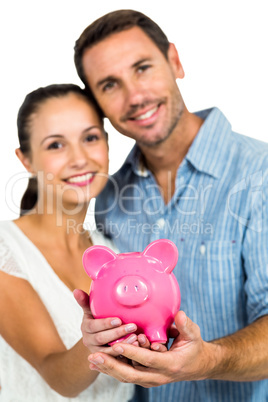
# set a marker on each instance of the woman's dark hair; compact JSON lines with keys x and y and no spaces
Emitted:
{"x":115,"y":22}
{"x":31,"y":104}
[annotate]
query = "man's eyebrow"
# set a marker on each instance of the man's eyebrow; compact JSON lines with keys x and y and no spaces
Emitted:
{"x":106,"y":79}
{"x":113,"y":78}
{"x":140,"y":62}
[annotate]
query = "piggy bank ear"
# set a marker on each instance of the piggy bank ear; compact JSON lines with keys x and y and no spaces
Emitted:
{"x":95,"y":257}
{"x":165,"y":251}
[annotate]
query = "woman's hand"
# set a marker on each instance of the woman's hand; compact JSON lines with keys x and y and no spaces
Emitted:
{"x":97,"y":333}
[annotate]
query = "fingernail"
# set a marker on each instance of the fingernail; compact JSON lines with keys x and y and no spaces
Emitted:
{"x":132,"y":338}
{"x":97,"y":360}
{"x":93,"y":367}
{"x":142,"y":339}
{"x":116,"y":322}
{"x":185,"y":318}
{"x":130,"y":327}
{"x":119,"y":349}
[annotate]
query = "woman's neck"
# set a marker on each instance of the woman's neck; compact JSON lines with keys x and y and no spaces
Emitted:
{"x":60,"y":229}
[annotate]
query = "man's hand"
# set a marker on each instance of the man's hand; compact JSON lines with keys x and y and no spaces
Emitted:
{"x":189,"y":358}
{"x":99,"y":332}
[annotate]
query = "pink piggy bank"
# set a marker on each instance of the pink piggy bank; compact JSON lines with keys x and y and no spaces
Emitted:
{"x":136,"y":287}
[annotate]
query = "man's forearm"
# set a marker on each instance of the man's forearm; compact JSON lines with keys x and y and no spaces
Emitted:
{"x":242,"y":356}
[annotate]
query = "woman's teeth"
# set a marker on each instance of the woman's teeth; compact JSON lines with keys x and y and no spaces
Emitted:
{"x":80,"y":179}
{"x":147,"y":114}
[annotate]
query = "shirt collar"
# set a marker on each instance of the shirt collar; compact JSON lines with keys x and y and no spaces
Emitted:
{"x":135,"y":160}
{"x":210,"y":148}
{"x":208,"y":152}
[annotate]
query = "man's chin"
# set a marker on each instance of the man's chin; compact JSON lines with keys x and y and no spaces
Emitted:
{"x":151,"y":144}
{"x":153,"y":141}
{"x":147,"y":140}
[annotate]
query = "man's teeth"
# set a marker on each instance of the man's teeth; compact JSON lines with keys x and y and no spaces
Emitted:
{"x":80,"y":179}
{"x":147,"y":114}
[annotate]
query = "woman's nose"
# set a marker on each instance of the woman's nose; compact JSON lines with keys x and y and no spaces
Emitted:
{"x":78,"y":157}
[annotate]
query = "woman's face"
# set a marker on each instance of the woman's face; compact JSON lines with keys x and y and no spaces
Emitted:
{"x":69,"y":151}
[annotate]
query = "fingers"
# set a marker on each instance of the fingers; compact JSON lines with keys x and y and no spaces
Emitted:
{"x":131,"y":340}
{"x":99,"y":332}
{"x":82,"y":299}
{"x":173,"y":332}
{"x":187,"y":328}
{"x":124,"y":372}
{"x":116,"y":367}
{"x":158,"y":347}
{"x":143,"y":356}
{"x":143,"y":341}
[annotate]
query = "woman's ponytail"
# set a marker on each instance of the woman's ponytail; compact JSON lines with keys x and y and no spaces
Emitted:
{"x":30,"y":196}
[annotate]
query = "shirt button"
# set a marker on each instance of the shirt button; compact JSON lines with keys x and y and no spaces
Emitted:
{"x":202,"y":249}
{"x":161,"y":223}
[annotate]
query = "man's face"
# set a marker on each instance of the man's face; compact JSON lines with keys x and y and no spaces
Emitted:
{"x":135,"y":85}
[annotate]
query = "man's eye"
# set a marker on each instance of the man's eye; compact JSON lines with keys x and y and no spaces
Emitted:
{"x":108,"y":86}
{"x":143,"y":68}
{"x":55,"y":145}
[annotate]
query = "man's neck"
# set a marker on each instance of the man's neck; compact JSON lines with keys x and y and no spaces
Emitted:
{"x":164,"y":159}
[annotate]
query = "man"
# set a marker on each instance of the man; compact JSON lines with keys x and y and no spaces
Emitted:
{"x":191,"y":179}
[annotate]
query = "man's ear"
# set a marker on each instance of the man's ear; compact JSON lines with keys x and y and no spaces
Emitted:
{"x":24,"y":160}
{"x":175,"y":62}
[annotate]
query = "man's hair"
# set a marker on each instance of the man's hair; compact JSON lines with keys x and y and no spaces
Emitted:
{"x":115,"y":22}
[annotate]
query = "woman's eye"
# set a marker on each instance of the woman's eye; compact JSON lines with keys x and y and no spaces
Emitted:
{"x":92,"y":137}
{"x":55,"y":145}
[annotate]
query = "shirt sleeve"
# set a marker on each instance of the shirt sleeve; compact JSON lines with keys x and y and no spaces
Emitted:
{"x":9,"y":262}
{"x":255,"y":250}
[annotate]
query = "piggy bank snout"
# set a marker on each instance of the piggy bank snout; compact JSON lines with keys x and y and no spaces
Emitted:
{"x":131,"y":291}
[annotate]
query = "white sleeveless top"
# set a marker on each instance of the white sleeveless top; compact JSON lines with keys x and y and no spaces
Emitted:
{"x":19,"y":381}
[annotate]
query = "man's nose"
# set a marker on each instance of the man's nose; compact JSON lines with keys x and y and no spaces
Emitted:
{"x":134,"y":93}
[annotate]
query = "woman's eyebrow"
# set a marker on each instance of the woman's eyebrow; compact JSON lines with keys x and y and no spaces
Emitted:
{"x":51,"y":136}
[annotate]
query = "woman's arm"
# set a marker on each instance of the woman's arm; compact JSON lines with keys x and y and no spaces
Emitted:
{"x":28,"y":328}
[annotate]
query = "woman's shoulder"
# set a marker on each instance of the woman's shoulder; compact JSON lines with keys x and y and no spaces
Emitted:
{"x":11,"y":250}
{"x":9,"y":233}
{"x":6,"y":226}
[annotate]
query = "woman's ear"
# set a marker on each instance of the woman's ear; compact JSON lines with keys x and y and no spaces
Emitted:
{"x":24,"y":160}
{"x":175,"y":62}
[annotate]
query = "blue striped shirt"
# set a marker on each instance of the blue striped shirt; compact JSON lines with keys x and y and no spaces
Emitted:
{"x":218,"y":219}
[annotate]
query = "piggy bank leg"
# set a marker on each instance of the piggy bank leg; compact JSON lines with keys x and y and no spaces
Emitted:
{"x":156,"y":334}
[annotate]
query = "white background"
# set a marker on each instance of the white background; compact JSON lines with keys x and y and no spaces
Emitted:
{"x":222,"y":46}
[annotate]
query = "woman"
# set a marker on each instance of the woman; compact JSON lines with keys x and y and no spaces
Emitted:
{"x":42,"y":358}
